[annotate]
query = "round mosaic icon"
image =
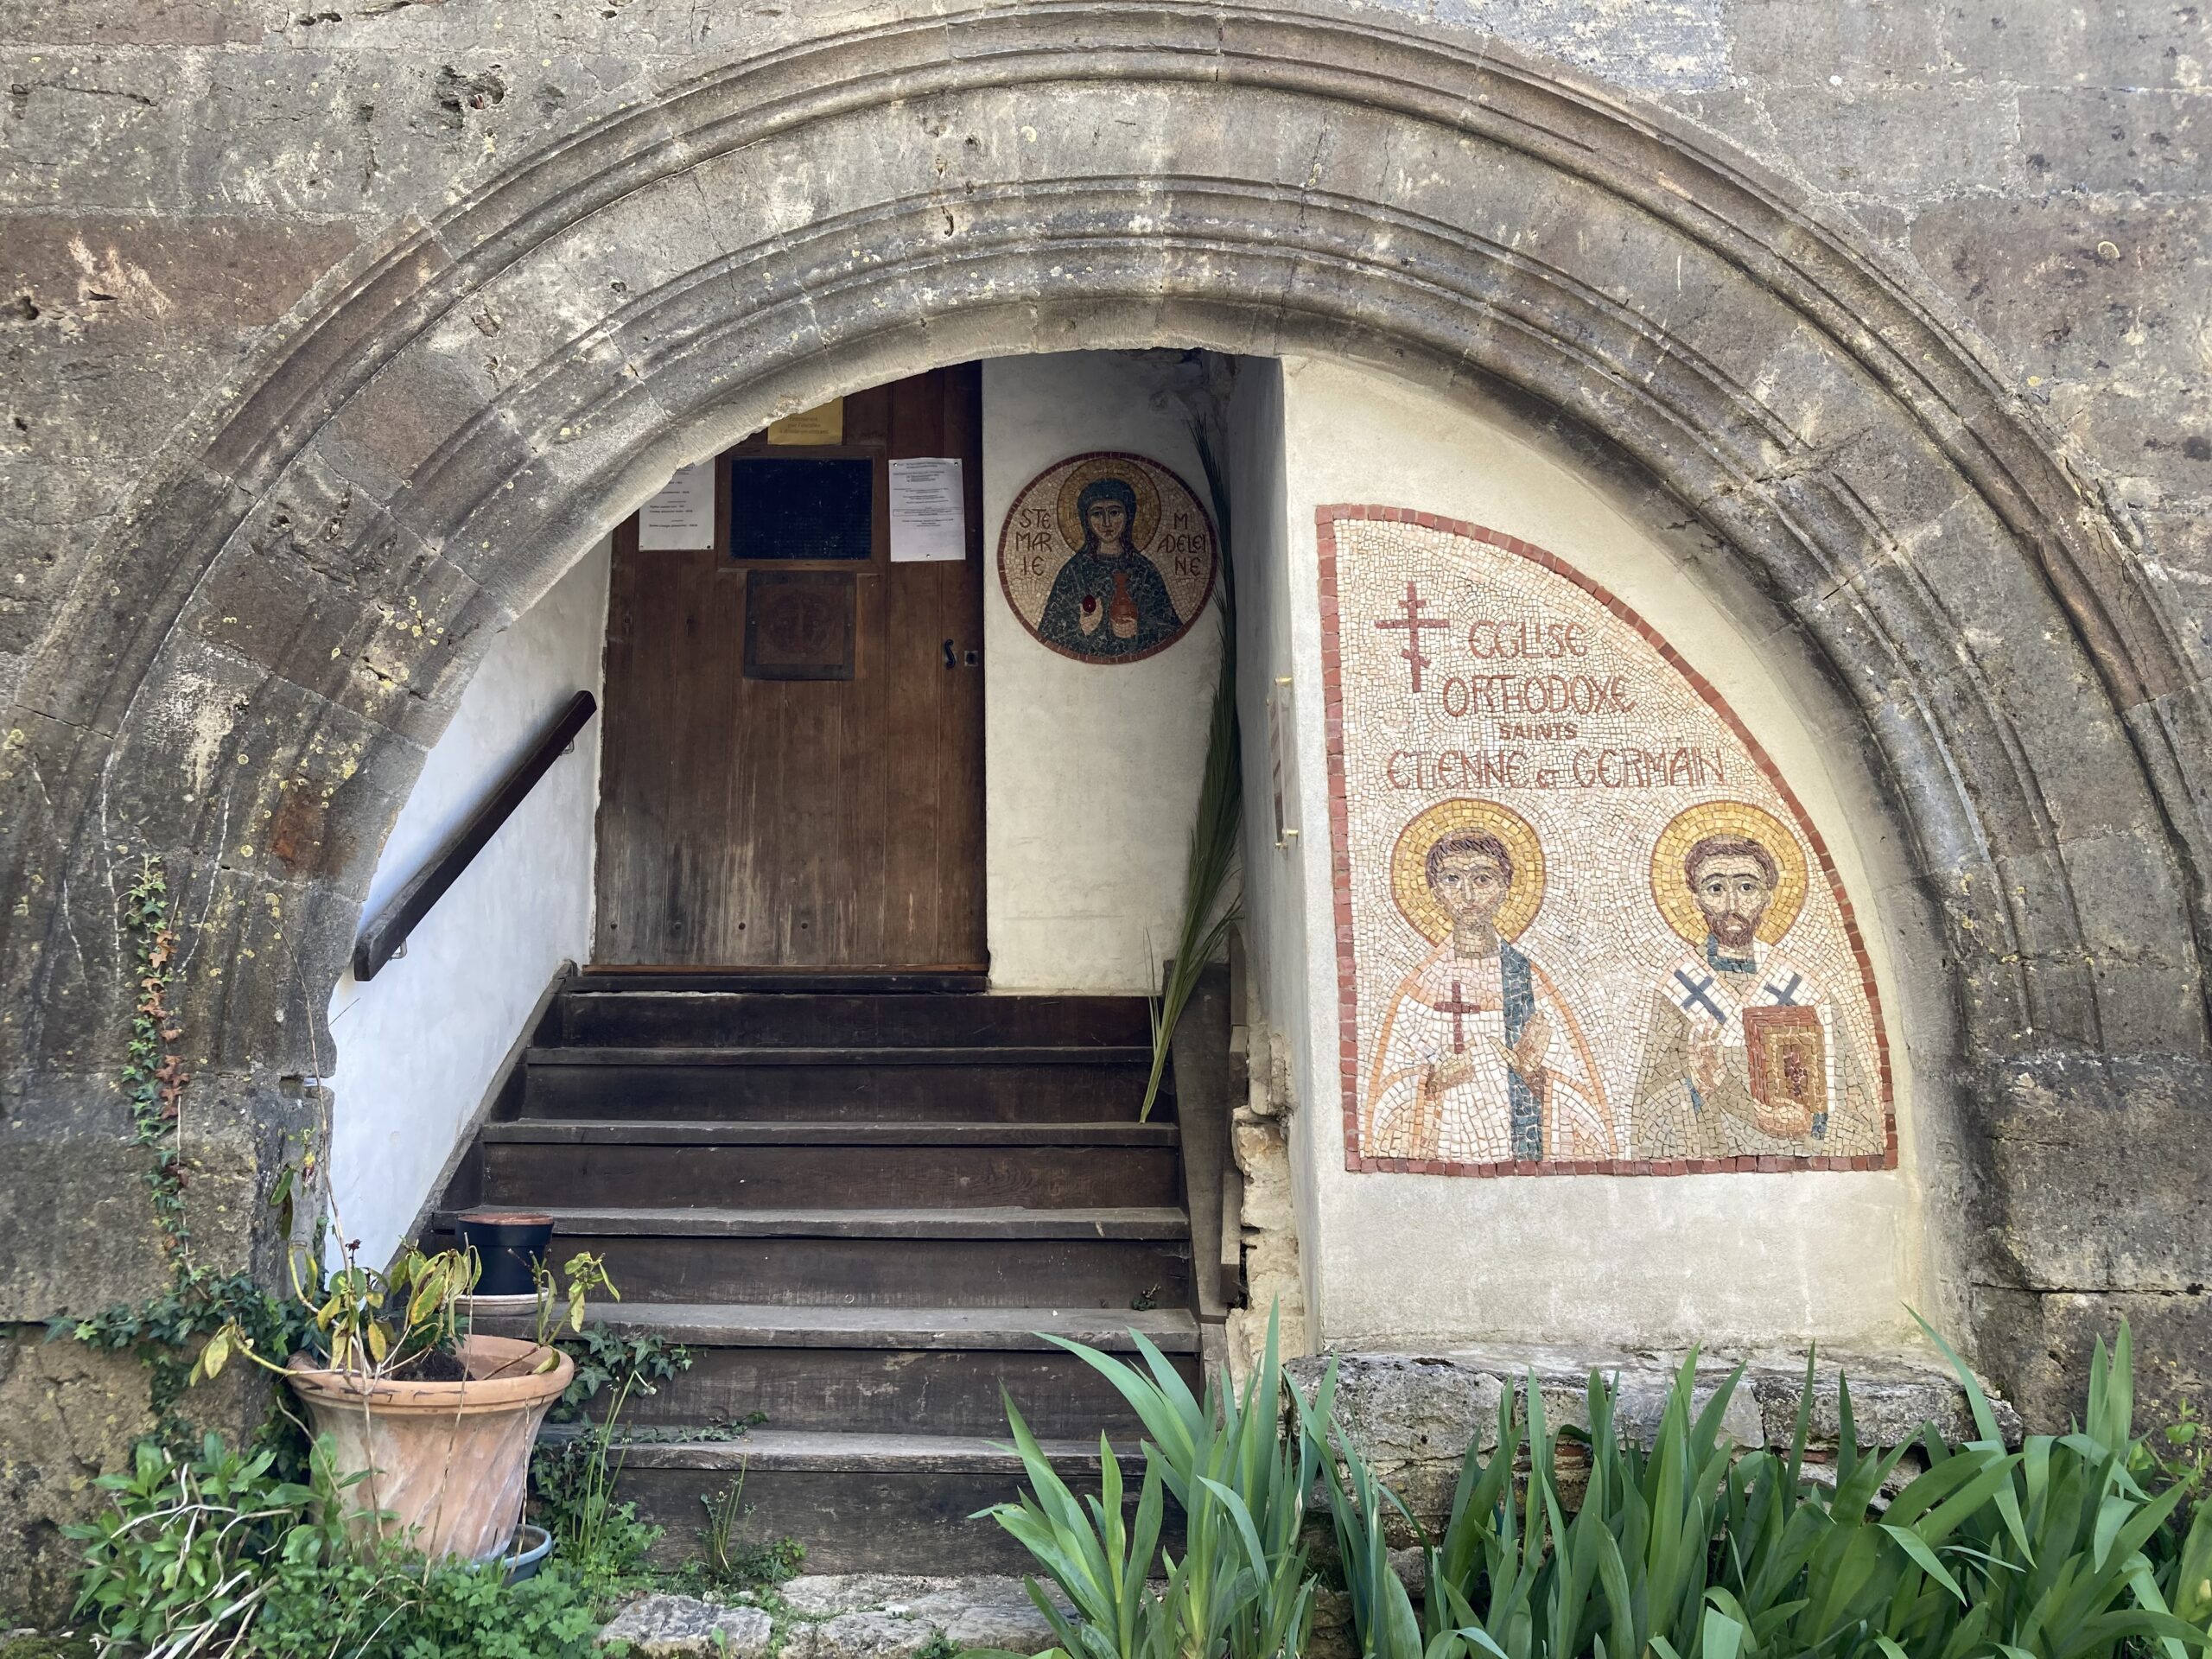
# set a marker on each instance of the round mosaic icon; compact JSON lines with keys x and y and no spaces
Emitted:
{"x":1108,"y":557}
{"x":1473,"y":826}
{"x":1721,"y":830}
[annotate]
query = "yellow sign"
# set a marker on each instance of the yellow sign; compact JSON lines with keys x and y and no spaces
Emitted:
{"x":812,"y":426}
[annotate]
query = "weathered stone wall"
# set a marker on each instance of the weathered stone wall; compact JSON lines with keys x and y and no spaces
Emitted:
{"x":1259,"y":1135}
{"x":421,"y":236}
{"x":1413,"y":1417}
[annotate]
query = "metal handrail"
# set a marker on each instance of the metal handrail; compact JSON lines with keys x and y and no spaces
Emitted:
{"x":386,"y":937}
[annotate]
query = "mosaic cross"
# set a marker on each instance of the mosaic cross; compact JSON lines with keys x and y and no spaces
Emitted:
{"x":1698,"y":994}
{"x":1459,"y":1008}
{"x":1411,"y":624}
{"x":1786,"y":996}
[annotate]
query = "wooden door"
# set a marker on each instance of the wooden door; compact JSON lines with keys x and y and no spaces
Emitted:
{"x":799,"y":823}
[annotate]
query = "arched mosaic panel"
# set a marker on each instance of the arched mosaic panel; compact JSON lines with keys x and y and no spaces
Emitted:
{"x":1583,"y":924}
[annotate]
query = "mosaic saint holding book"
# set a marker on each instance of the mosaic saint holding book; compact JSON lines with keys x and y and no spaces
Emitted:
{"x":1745,"y":1053}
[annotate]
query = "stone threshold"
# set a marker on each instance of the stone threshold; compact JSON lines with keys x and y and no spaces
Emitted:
{"x":841,"y":1616}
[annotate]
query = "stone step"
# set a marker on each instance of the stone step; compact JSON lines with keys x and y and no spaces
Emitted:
{"x":1102,"y":1258}
{"x":826,"y":1171}
{"x":840,"y":1615}
{"x":878,"y":1503}
{"x":679,"y":1019}
{"x":570,"y":1083}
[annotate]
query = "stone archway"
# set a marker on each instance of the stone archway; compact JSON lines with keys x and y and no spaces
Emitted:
{"x":246,"y":680}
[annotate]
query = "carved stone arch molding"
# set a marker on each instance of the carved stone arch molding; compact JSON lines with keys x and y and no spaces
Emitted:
{"x":247,"y":680}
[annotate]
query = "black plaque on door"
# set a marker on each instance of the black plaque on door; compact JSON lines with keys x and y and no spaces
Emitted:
{"x":802,"y":508}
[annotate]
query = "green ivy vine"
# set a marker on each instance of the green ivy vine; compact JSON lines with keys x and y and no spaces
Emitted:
{"x":163,"y":1332}
{"x":154,"y":1076}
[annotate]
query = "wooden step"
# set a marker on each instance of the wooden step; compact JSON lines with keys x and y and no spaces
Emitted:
{"x":1027,"y":1330}
{"x":690,"y":1019}
{"x":679,"y":1132}
{"x":890,"y":1369}
{"x":996,"y":1257}
{"x":857,"y":1502}
{"x":878,"y":981}
{"x":820,"y":1171}
{"x":868,"y":1059}
{"x":566,"y":1083}
{"x":1004,"y":1222}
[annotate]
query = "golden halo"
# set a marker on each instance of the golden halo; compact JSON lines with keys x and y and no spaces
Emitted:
{"x":1671,"y":888}
{"x":1131,"y":471}
{"x":1409,"y":865}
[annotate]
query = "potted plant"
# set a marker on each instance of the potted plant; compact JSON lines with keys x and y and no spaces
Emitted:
{"x":436,"y":1420}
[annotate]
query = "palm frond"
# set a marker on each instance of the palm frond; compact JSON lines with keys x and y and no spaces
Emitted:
{"x":1209,"y":910}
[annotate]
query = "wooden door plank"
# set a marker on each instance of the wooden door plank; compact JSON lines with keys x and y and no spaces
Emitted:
{"x":796,"y":824}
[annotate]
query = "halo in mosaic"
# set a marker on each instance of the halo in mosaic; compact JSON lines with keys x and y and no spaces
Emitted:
{"x":1583,"y":924}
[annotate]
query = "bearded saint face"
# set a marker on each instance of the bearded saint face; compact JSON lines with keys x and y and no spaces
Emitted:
{"x":1733,"y":892}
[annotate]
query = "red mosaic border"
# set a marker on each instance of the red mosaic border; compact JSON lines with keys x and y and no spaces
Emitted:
{"x":1325,"y":519}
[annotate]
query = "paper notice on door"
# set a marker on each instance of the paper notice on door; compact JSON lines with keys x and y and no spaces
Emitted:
{"x":682,"y":517}
{"x":929,"y":518}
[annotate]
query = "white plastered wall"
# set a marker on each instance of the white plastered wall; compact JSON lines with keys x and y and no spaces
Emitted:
{"x":1276,"y":935}
{"x":1090,"y":770}
{"x":1594,"y":1261}
{"x":419,"y":1045}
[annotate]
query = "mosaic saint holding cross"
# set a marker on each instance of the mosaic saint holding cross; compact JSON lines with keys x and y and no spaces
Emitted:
{"x":1480,"y":1059}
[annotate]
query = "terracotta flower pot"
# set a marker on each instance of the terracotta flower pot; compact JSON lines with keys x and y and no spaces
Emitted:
{"x":449,"y":1460}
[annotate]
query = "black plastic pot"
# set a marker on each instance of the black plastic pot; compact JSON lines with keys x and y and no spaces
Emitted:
{"x":509,"y":1244}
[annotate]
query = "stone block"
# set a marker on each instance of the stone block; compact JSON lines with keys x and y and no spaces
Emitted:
{"x":68,"y":1414}
{"x":157,"y":551}
{"x":2076,"y":294}
{"x":1650,"y":48}
{"x":1801,"y":42}
{"x":375,"y":133}
{"x":416,"y":407}
{"x":78,"y":1235}
{"x":1898,"y":142}
{"x":845,"y":1616}
{"x":1413,"y":1419}
{"x":683,"y":1627}
{"x":1262,"y":1155}
{"x":138,"y":23}
{"x":2164,"y":43}
{"x":2098,"y":1173}
{"x":2118,"y":139}
{"x":98,"y":131}
{"x":860,"y":1614}
{"x":596,"y":289}
{"x":1890,"y":1405}
{"x":325,"y":589}
{"x":96,"y":404}
{"x":2043,"y":1341}
{"x":111,"y":280}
